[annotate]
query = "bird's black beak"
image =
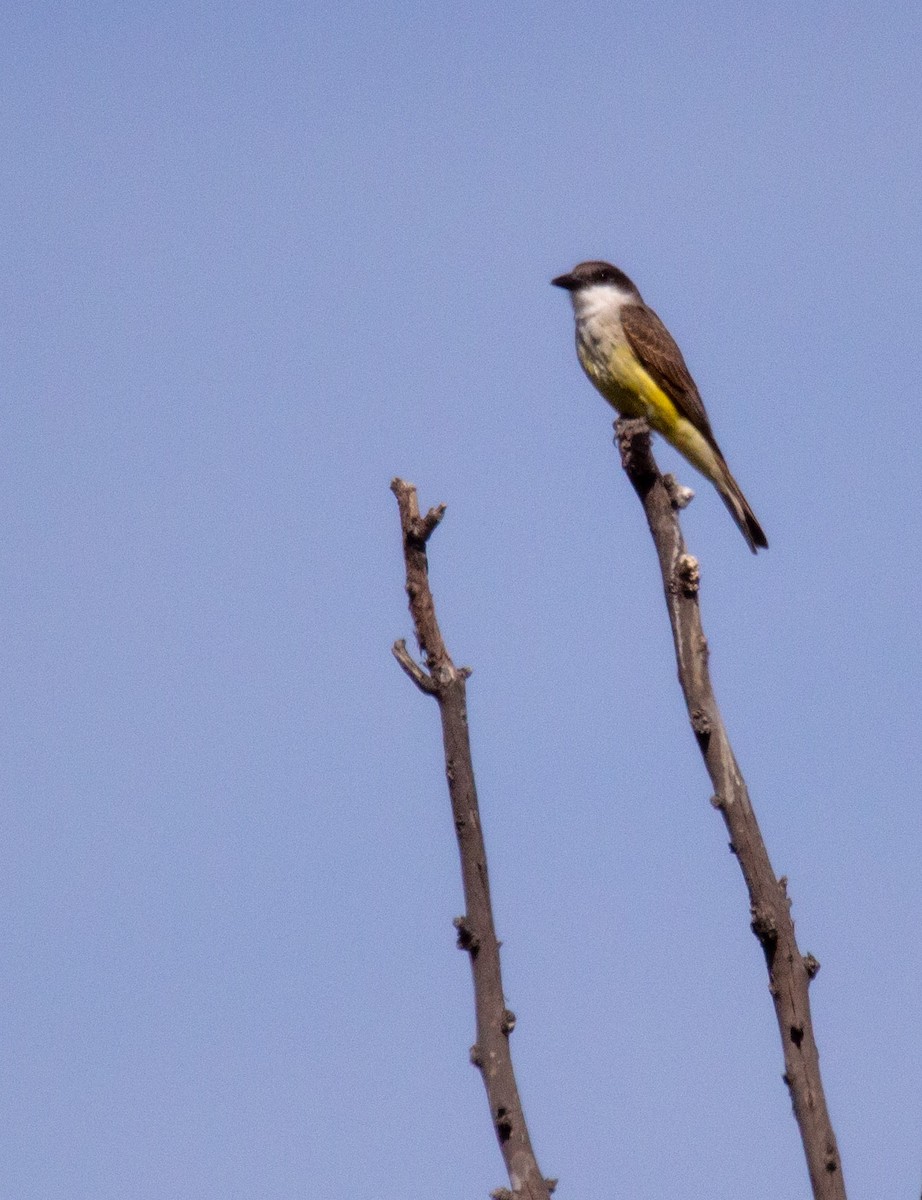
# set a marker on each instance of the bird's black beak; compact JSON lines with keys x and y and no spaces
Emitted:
{"x":566,"y":281}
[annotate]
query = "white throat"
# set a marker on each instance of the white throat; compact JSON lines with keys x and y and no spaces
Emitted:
{"x":601,"y":300}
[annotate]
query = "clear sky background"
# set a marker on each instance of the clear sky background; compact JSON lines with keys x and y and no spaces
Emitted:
{"x":259,"y":260}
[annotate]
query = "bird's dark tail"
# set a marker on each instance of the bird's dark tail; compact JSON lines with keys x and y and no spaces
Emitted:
{"x":742,"y":514}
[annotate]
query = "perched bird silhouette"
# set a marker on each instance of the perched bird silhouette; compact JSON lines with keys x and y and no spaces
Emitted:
{"x":631,"y":358}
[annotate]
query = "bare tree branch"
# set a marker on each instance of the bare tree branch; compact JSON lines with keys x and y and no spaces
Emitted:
{"x":476,"y":930}
{"x":789,"y":971}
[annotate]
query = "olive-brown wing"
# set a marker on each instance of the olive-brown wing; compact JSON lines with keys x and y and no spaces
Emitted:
{"x":655,"y":347}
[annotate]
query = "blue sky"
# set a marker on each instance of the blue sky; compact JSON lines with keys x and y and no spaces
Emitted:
{"x":260,"y":260}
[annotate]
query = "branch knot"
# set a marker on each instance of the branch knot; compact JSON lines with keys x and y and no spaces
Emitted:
{"x":680,"y":496}
{"x":467,"y":938}
{"x":811,"y":966}
{"x":689,"y":575}
{"x":764,"y":925}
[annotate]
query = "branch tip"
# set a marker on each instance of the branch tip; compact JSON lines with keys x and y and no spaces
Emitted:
{"x":406,"y":498}
{"x":424,"y":682}
{"x":429,"y":522}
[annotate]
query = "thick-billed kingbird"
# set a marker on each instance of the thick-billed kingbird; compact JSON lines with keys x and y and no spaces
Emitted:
{"x":630,"y":356}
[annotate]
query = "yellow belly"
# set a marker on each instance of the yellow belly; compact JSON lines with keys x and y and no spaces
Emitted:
{"x":628,"y":388}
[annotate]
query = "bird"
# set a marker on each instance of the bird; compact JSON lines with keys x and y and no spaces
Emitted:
{"x":632,"y":359}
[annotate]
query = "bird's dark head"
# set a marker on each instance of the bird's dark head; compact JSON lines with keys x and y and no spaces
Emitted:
{"x":595,"y":274}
